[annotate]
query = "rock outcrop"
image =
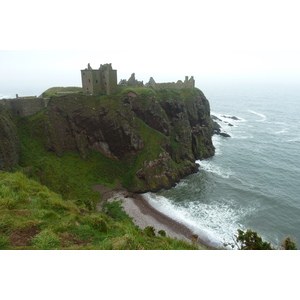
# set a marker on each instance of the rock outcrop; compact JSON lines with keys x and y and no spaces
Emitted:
{"x":9,"y":141}
{"x":157,"y":134}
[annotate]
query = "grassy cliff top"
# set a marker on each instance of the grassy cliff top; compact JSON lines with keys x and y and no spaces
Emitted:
{"x":53,"y":90}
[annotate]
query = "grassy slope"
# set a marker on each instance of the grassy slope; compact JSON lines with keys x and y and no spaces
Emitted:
{"x":34,"y":217}
{"x":73,"y":177}
{"x":52,"y":91}
{"x":61,"y":216}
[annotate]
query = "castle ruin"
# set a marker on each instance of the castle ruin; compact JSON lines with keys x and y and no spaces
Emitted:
{"x":187,"y":83}
{"x":100,"y":81}
{"x":94,"y":82}
{"x":104,"y":81}
{"x":131,"y":82}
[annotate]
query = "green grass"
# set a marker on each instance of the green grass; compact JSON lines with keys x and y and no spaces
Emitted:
{"x":69,"y":175}
{"x":52,"y":91}
{"x":33,"y":217}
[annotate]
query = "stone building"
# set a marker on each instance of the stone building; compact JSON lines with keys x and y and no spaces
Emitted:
{"x":131,"y":82}
{"x":187,"y":83}
{"x":100,"y":81}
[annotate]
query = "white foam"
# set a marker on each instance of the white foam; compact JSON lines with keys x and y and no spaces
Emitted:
{"x":297,"y":139}
{"x":217,"y":141}
{"x":228,"y":118}
{"x":245,"y":137}
{"x":181,"y":183}
{"x":215,"y":223}
{"x":209,"y":166}
{"x":282,"y":131}
{"x":262,"y":116}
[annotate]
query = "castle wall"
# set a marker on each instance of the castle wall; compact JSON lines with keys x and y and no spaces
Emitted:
{"x":187,"y":83}
{"x":24,"y":107}
{"x":113,"y":79}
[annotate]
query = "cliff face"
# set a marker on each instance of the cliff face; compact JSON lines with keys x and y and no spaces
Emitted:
{"x":158,"y":135}
{"x":9,"y":141}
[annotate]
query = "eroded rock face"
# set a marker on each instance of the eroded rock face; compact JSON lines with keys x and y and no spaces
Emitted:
{"x":158,"y":134}
{"x":83,"y":124}
{"x":9,"y":141}
{"x":190,"y":122}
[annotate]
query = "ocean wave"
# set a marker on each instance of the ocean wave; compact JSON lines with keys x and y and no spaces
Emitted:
{"x":209,"y":166}
{"x":282,"y":131}
{"x":217,"y":142}
{"x":297,"y":139}
{"x":262,"y":116}
{"x":245,"y":137}
{"x":215,"y":223}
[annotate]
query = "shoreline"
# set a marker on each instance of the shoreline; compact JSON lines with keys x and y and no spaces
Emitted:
{"x":143,"y":215}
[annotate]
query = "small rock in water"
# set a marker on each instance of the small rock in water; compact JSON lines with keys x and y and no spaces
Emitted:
{"x":215,"y":118}
{"x":225,"y":134}
{"x":231,"y":117}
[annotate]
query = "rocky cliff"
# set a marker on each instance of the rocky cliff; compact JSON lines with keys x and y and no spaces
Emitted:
{"x":9,"y":142}
{"x":156,"y":135}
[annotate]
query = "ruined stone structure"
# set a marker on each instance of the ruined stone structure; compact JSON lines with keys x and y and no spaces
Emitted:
{"x":27,"y":106}
{"x":131,"y":82}
{"x":187,"y":83}
{"x":95,"y":82}
{"x":100,"y":81}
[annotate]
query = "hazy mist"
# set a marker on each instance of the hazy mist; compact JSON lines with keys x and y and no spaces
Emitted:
{"x":218,"y":42}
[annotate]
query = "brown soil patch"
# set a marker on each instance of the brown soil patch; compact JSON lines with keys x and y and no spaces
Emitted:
{"x":68,"y":239}
{"x":22,"y":237}
{"x":21,"y":212}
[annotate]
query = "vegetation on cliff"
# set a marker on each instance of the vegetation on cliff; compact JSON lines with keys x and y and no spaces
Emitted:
{"x":139,"y":138}
{"x":145,"y":140}
{"x":34,"y":217}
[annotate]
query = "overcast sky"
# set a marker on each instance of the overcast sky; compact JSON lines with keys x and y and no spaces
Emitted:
{"x":45,"y":44}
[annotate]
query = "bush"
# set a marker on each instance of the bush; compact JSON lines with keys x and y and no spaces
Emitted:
{"x":96,"y":222}
{"x":150,"y":231}
{"x":289,"y":244}
{"x":115,"y":210}
{"x":162,"y":233}
{"x":46,"y":240}
{"x":249,"y":240}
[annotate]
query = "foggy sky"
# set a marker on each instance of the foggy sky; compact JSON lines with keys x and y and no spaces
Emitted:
{"x":218,"y":42}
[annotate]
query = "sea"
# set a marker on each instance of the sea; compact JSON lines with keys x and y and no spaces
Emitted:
{"x":253,"y":180}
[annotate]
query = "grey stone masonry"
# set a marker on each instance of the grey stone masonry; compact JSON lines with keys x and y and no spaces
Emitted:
{"x":100,"y":81}
{"x":27,"y":106}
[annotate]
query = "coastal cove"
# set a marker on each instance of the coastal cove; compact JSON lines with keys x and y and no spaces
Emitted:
{"x":138,"y":138}
{"x":143,"y":215}
{"x":245,"y":181}
{"x":252,"y":180}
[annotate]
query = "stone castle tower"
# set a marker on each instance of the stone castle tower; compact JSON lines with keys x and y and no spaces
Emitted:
{"x":100,"y":81}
